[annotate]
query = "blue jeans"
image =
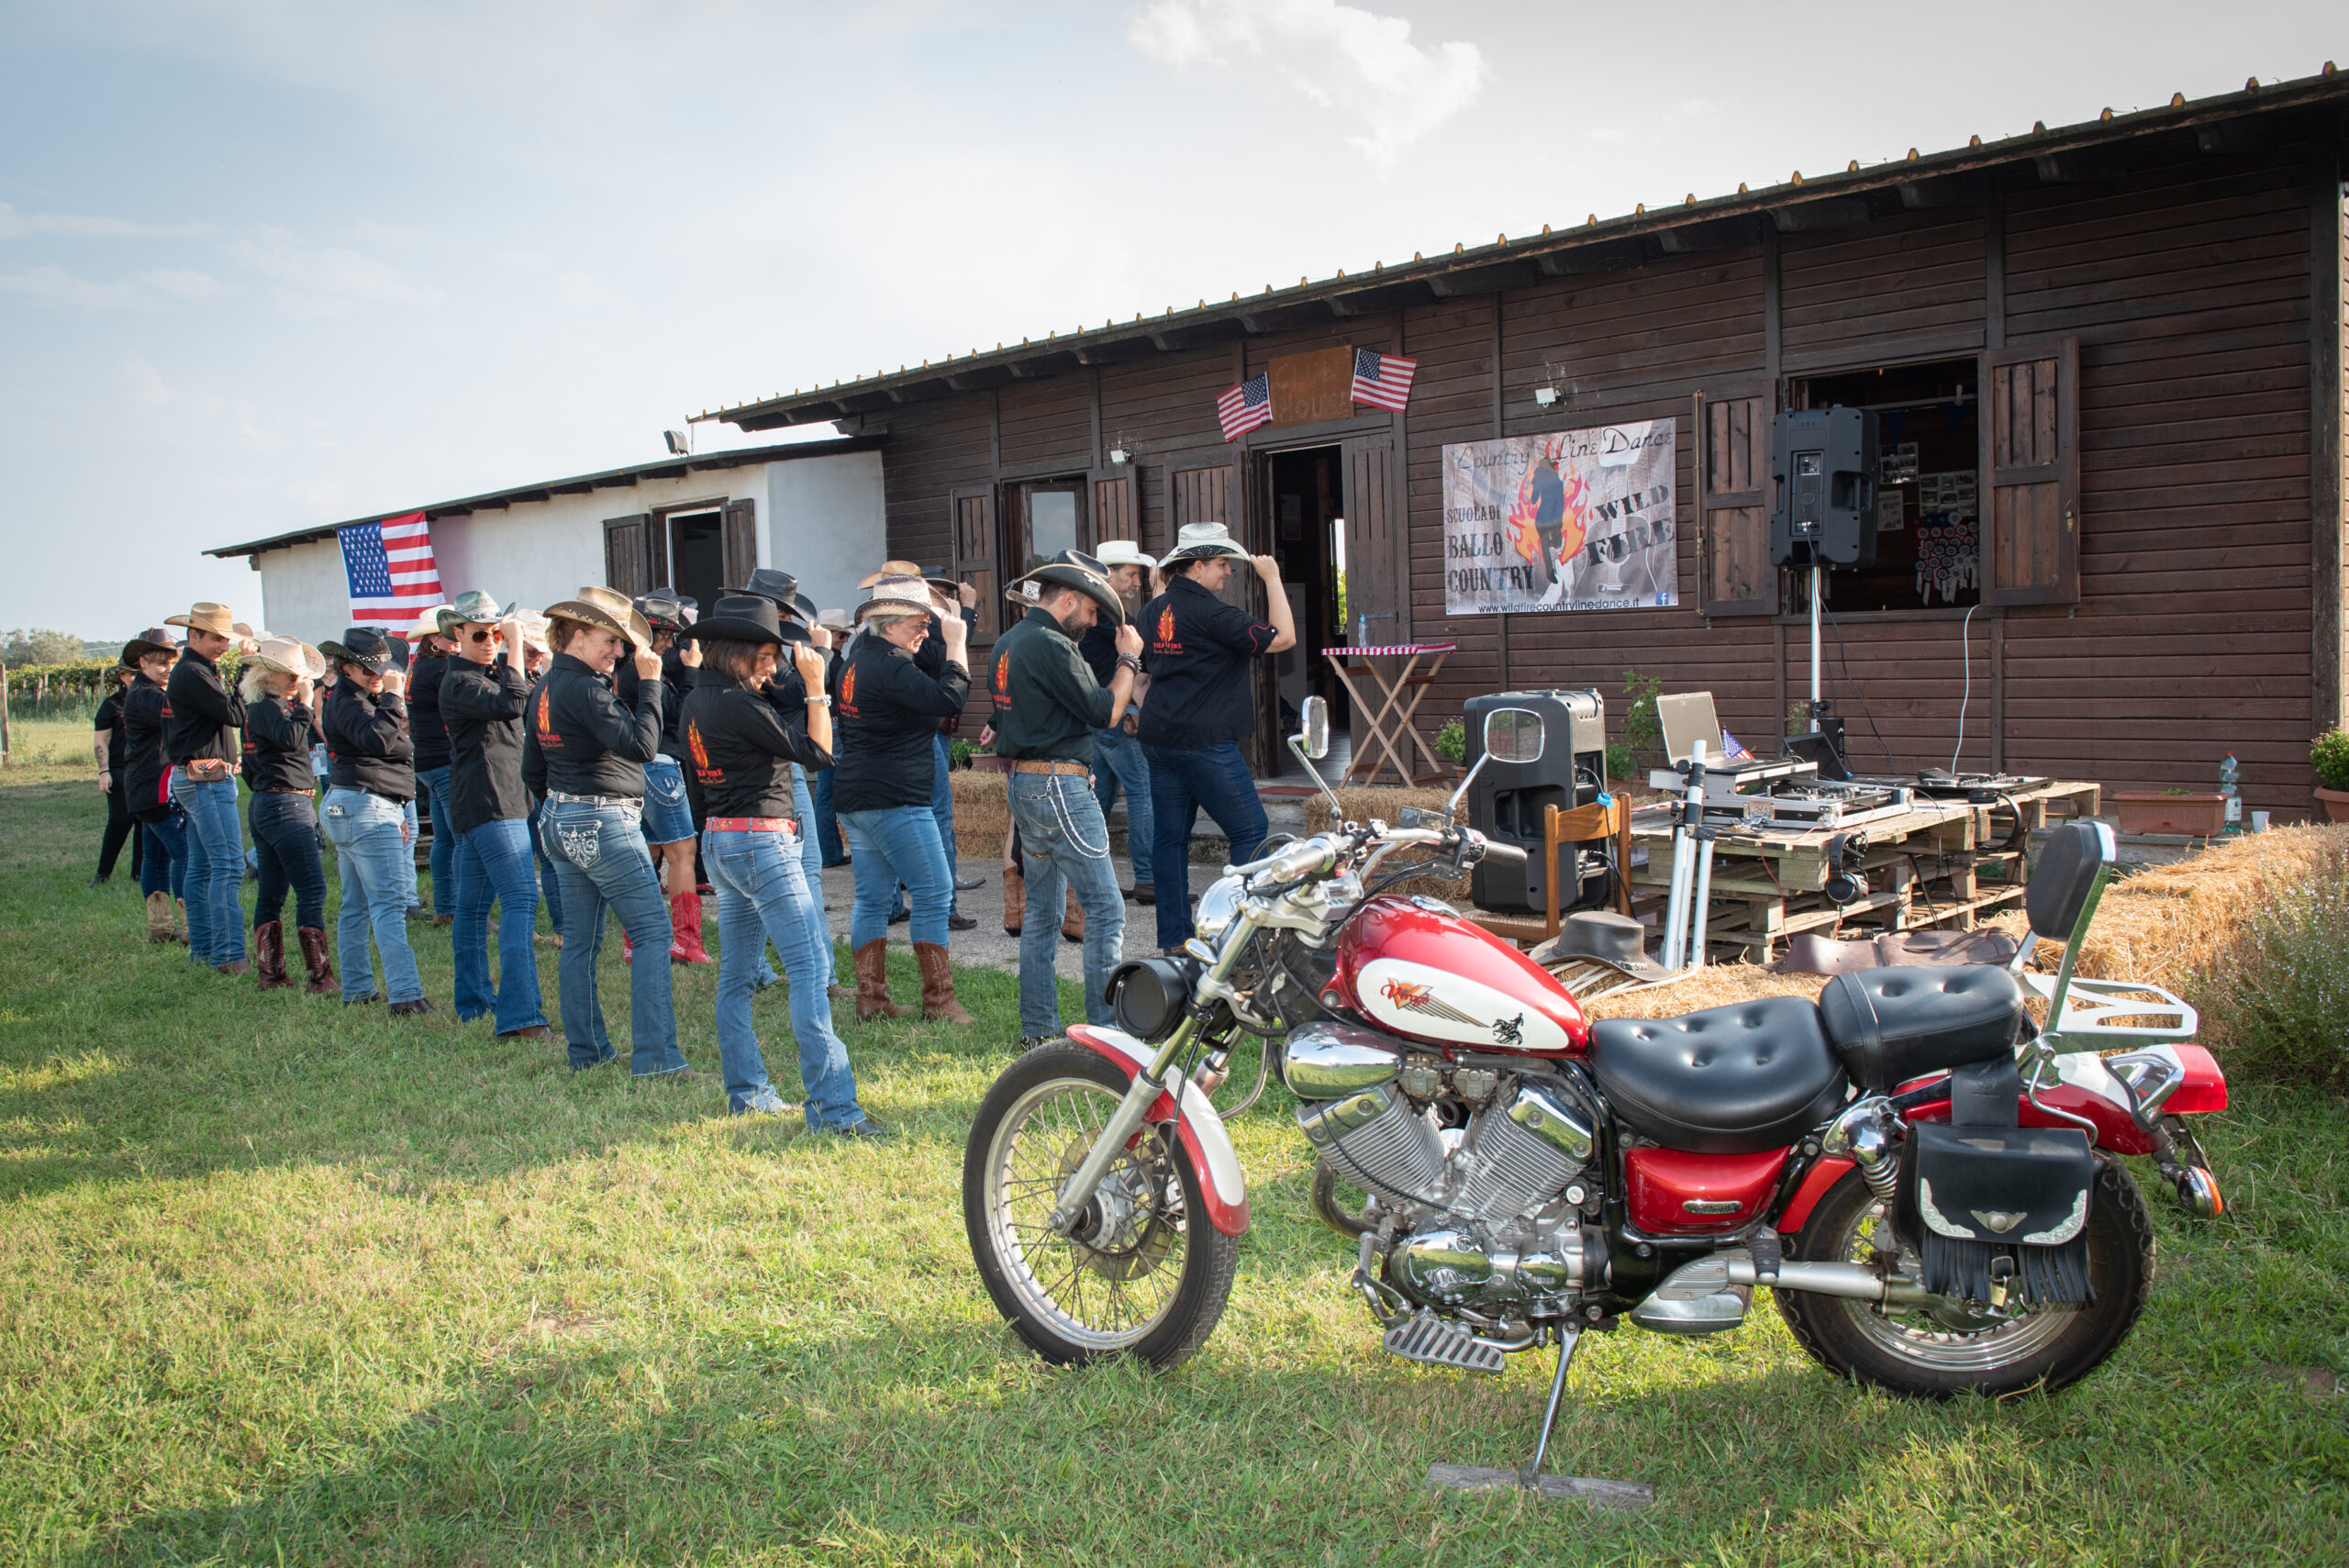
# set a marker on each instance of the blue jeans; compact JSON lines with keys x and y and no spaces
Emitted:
{"x":668,"y":816}
{"x":216,"y":874}
{"x":408,"y":866}
{"x":365,"y":830}
{"x":493,"y":865}
{"x":827,"y":831}
{"x":761,"y":897}
{"x":1065,"y":844}
{"x":435,"y":781}
{"x":894,"y":844}
{"x":286,"y":844}
{"x":164,"y":870}
{"x":600,"y":860}
{"x":941,"y":810}
{"x":549,"y":888}
{"x":1117,"y":763}
{"x":1181,"y":782}
{"x":811,"y":866}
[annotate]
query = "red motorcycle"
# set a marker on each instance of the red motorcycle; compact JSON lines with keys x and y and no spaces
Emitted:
{"x":1923,"y":1175}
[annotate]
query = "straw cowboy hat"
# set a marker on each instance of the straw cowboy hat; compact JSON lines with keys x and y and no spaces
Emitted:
{"x":428,"y":624}
{"x":251,"y":634}
{"x":472,"y":608}
{"x":154,"y":639}
{"x":361,"y":645}
{"x":534,"y":628}
{"x":289,"y":655}
{"x":1123,"y":553}
{"x":205,"y":616}
{"x":1204,"y":541}
{"x":888,"y":568}
{"x":607,"y":608}
{"x":894,"y":598}
{"x":1070,"y":569}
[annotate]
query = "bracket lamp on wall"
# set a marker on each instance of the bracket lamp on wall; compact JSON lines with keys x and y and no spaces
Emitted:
{"x":681,"y":442}
{"x":1555,"y":389}
{"x":1119,"y":455}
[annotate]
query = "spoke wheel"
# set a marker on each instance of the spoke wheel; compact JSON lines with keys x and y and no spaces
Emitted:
{"x":1142,"y":1272}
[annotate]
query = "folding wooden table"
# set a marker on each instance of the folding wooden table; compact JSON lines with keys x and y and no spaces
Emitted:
{"x":1387,"y":725}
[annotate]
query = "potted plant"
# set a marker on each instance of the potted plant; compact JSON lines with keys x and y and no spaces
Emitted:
{"x":2330,"y":756}
{"x":1452,"y":745}
{"x":2199,"y":814}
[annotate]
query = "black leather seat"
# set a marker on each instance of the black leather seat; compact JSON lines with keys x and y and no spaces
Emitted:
{"x":1733,"y":1080}
{"x":1892,"y":1024}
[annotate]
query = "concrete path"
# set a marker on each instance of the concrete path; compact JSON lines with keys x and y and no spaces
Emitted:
{"x":989,"y":945}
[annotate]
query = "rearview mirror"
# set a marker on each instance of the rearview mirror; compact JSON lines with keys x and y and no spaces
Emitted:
{"x":1315,"y":719}
{"x":1513,"y":735}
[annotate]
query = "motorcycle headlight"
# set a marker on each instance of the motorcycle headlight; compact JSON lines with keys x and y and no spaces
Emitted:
{"x":1219,"y":907}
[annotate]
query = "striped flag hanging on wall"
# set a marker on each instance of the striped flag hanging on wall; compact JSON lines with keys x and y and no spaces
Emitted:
{"x":390,"y":569}
{"x":1245,"y":406}
{"x":1383,"y":381}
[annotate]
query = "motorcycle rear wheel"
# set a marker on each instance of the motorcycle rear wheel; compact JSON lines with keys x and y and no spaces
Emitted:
{"x":1921,"y":1356}
{"x":1142,"y":1274}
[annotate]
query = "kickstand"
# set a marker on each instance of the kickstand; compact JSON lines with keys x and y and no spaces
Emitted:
{"x":1569,"y":1340}
{"x":1607,"y":1493}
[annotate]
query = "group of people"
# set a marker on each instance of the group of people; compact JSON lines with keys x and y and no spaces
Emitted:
{"x":624,"y":755}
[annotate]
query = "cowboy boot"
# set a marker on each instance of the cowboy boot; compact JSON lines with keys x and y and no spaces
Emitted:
{"x":1015,"y":900}
{"x":1073,"y":924}
{"x":159,"y":917}
{"x":685,"y":920}
{"x":179,"y":921}
{"x":321,"y":969}
{"x":872,"y":982}
{"x":269,"y":957}
{"x":938,"y":985}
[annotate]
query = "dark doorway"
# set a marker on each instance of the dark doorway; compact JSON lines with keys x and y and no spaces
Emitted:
{"x":1304,"y":495}
{"x":698,"y":557}
{"x":1928,"y":541}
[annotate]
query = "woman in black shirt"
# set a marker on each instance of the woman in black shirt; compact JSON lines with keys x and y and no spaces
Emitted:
{"x":889,"y":711}
{"x":742,"y":732}
{"x":278,"y":692}
{"x":487,"y":817}
{"x":107,"y":747}
{"x":146,"y":785}
{"x":370,"y":782}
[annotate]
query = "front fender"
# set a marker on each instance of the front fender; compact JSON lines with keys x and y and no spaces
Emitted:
{"x":1225,"y":1192}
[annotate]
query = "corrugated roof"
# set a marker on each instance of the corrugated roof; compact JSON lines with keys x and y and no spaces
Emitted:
{"x":611,"y":478}
{"x":1814,"y":201}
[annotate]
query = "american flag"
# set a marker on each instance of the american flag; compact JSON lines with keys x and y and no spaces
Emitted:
{"x":389,"y":568}
{"x":1245,"y":406}
{"x":1382,"y":380}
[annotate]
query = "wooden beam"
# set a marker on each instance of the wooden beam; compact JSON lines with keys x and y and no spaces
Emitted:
{"x":1279,"y":318}
{"x":979,"y":378}
{"x":1610,"y":256}
{"x":1716,"y":234}
{"x":1115,"y":351}
{"x":1381,"y":298}
{"x":1050,"y":361}
{"x":1835,"y":212}
{"x":1497,"y":278}
{"x":922,"y":391}
{"x":2236,"y":137}
{"x":1943,"y":191}
{"x":2083,"y":165}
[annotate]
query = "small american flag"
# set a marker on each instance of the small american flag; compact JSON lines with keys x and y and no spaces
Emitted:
{"x":1382,"y":380}
{"x":390,"y":569}
{"x":1245,"y":406}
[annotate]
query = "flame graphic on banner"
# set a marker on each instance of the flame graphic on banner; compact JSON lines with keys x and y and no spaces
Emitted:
{"x":1572,"y":497}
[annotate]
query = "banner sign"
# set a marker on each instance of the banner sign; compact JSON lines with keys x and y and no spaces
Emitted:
{"x":1570,"y":520}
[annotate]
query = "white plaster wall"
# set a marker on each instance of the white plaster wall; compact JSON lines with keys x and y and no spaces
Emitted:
{"x":303,"y":593}
{"x":824,"y":521}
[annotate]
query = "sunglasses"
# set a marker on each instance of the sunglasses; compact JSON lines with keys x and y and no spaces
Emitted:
{"x":480,"y":634}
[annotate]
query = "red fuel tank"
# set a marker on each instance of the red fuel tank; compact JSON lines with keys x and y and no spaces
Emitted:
{"x":1420,"y":971}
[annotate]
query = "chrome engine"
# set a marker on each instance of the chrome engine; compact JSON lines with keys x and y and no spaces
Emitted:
{"x":1484,"y":1171}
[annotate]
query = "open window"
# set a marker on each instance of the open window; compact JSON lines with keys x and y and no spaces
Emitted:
{"x":1930,"y":495}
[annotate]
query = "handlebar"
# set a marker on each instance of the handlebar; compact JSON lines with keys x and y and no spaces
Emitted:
{"x":1509,"y":853}
{"x":1303,"y":860}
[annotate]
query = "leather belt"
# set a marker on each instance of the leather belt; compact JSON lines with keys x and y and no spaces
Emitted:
{"x":1077,"y":769}
{"x":750,"y":825}
{"x":558,"y":795}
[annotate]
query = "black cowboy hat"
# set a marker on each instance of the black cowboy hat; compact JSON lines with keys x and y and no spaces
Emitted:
{"x":664,"y":611}
{"x":780,"y":589}
{"x":742,"y":617}
{"x":154,"y":639}
{"x":361,"y":645}
{"x":1071,"y":568}
{"x":1600,"y":936}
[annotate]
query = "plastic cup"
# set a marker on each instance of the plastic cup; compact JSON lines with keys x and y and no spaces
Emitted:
{"x":2259,"y":822}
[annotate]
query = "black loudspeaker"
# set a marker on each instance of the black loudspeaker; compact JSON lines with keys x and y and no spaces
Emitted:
{"x":1506,"y":802}
{"x":1823,"y":465}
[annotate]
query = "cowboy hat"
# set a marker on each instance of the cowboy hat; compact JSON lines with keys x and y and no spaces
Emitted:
{"x":361,"y":645}
{"x":894,"y":598}
{"x":781,"y":589}
{"x":607,"y":608}
{"x":154,"y":639}
{"x":534,"y":628}
{"x":205,"y":616}
{"x":1123,"y":553}
{"x":251,"y":635}
{"x":1204,"y":541}
{"x":664,"y":611}
{"x":472,"y":608}
{"x":888,"y":568}
{"x":430,"y":624}
{"x":1070,"y":569}
{"x":834,"y":621}
{"x":1597,"y":936}
{"x":290,"y":655}
{"x":742,"y":617}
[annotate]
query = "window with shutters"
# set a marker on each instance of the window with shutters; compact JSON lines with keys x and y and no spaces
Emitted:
{"x":976,"y":557}
{"x":1734,"y":576}
{"x":2030,"y":548}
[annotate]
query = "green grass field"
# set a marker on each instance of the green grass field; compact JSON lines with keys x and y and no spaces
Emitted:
{"x":283,"y":1283}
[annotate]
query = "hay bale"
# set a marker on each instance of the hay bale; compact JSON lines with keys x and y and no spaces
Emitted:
{"x":1387,"y":805}
{"x":981,"y":811}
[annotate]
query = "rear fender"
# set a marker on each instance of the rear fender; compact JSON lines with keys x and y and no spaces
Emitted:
{"x":1225,"y":1191}
{"x":2085,"y":1088}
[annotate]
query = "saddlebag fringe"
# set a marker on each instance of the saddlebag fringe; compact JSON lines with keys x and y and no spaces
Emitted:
{"x":2040,"y":1274}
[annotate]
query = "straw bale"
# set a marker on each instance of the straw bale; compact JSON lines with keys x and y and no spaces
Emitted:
{"x":1387,"y":805}
{"x":981,"y":811}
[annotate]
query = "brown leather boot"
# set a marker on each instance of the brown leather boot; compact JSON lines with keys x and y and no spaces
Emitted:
{"x":1015,"y":900}
{"x":179,"y":921}
{"x":872,"y":982}
{"x":1073,"y":923}
{"x":322,"y":981}
{"x":938,"y":985}
{"x":269,"y":957}
{"x":159,"y":917}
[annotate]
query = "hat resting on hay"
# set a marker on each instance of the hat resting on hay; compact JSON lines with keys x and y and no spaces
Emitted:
{"x":1204,"y":541}
{"x":607,"y":608}
{"x":894,"y":598}
{"x":1070,"y":569}
{"x":205,"y":616}
{"x":290,"y":656}
{"x":361,"y":645}
{"x":1599,"y":935}
{"x":154,"y":639}
{"x":472,"y":608}
{"x":1123,"y":553}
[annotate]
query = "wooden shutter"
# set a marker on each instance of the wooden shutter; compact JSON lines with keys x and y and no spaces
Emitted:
{"x":974,"y":557}
{"x":1378,"y":599}
{"x":738,"y":543}
{"x":1116,"y":505}
{"x":628,"y":557}
{"x":1208,"y":495}
{"x":2030,"y":458}
{"x":1734,"y":576}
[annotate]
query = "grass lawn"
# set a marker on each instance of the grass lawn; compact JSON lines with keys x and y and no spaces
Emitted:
{"x":281,"y":1282}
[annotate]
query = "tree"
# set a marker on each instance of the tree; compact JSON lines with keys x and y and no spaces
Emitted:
{"x":42,"y":646}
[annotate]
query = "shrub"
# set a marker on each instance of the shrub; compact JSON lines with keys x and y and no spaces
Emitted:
{"x":2330,"y":756}
{"x":958,"y":753}
{"x":1642,"y":731}
{"x":1621,"y":772}
{"x":2276,"y":1000}
{"x":1452,"y":743}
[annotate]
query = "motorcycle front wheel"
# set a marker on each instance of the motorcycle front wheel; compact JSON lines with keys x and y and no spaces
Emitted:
{"x":1935,"y":1354}
{"x":1142,"y":1273}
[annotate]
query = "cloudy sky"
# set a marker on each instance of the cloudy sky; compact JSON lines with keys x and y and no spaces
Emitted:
{"x":267,"y":264}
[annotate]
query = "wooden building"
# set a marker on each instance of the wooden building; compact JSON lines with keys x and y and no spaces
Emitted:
{"x":2148,"y":306}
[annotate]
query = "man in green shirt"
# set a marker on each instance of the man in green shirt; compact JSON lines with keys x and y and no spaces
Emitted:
{"x":1047,"y":706}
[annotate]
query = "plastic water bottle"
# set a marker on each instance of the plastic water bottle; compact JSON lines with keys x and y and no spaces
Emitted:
{"x":2228,"y":770}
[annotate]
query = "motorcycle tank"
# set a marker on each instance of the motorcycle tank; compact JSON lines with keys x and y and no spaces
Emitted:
{"x":1413,"y":966}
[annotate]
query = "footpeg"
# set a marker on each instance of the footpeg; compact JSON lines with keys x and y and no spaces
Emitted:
{"x":1434,"y":1342}
{"x":1697,"y":1297}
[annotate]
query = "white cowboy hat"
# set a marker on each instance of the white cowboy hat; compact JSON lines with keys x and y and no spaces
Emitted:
{"x":1204,"y":541}
{"x":894,"y":598}
{"x":1122,"y":553}
{"x":290,"y":655}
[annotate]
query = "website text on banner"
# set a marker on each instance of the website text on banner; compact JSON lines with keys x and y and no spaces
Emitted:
{"x":1569,"y":520}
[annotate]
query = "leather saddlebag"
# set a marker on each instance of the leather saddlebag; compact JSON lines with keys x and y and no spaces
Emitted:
{"x":1991,"y":1203}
